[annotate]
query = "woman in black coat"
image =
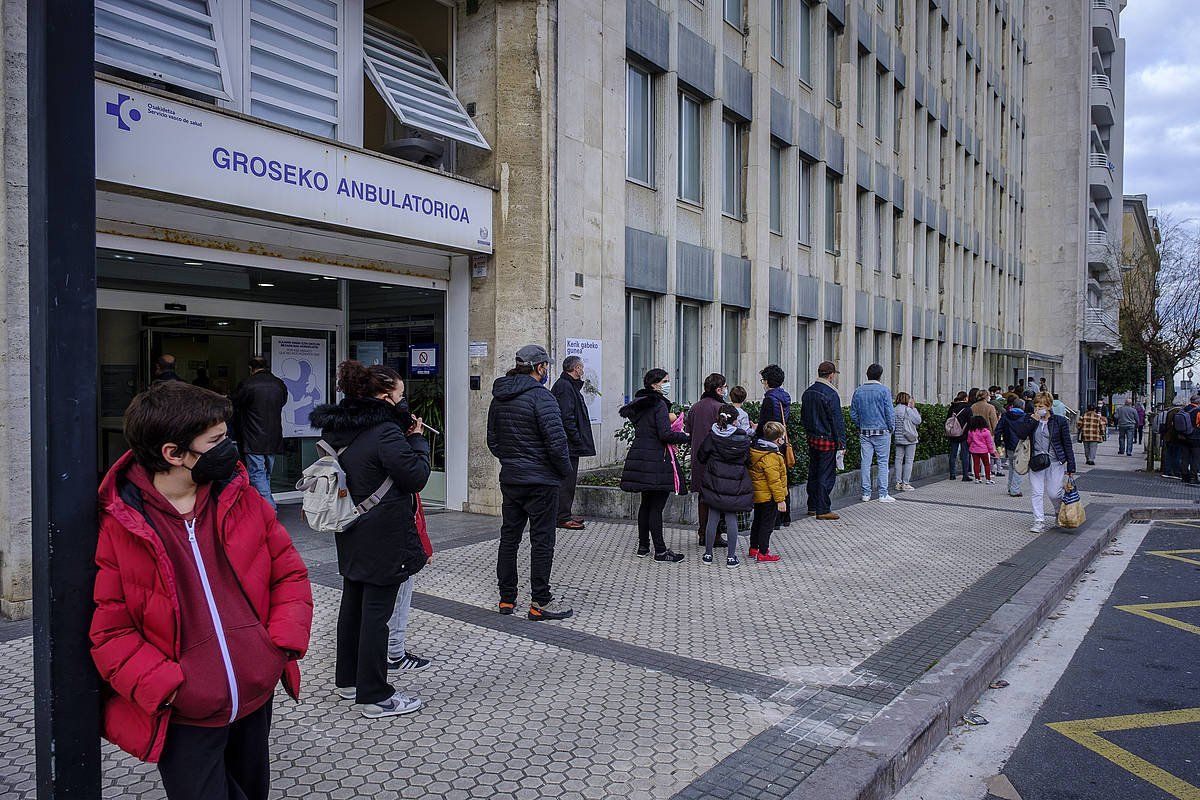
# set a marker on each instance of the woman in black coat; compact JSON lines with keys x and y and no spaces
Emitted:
{"x":649,"y":465}
{"x":380,"y":441}
{"x":725,"y":486}
{"x":960,"y":408}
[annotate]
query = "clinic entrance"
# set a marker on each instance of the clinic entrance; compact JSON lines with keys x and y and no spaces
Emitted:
{"x":212,"y":318}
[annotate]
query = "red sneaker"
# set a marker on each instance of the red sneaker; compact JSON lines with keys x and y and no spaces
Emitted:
{"x":767,"y":558}
{"x":753,"y":553}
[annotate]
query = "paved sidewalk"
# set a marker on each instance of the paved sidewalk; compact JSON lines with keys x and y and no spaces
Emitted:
{"x":672,"y":680}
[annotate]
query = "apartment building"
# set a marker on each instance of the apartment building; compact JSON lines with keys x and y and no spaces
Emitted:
{"x":1076,"y":107}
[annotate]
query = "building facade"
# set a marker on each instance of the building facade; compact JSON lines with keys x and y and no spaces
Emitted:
{"x":1076,"y":108}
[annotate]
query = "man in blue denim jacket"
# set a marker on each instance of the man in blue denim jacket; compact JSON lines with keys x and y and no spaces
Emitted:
{"x":871,"y":410}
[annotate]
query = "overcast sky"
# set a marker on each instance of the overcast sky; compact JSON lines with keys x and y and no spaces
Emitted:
{"x":1162,"y":103}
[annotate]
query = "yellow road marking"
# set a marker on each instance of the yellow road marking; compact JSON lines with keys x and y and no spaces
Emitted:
{"x":1174,"y":555}
{"x":1147,"y":610}
{"x":1086,"y":732}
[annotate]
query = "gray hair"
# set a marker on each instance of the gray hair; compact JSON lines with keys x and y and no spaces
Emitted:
{"x":570,"y":362}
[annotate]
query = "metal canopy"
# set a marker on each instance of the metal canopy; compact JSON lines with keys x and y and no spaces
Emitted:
{"x":1029,"y":354}
{"x":409,"y":82}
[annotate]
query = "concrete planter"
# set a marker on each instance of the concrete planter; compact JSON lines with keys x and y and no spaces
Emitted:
{"x":606,"y":502}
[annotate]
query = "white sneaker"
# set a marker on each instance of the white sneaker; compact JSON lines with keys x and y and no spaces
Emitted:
{"x":991,"y":482}
{"x":399,"y":703}
{"x":884,"y":498}
{"x":346,"y":692}
{"x":899,"y":487}
{"x":908,"y":487}
{"x":1038,"y":527}
{"x":866,"y":498}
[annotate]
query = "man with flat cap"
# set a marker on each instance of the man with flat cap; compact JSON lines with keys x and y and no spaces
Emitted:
{"x":525,"y":432}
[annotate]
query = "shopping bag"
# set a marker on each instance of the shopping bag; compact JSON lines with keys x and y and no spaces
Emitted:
{"x":1020,"y":462}
{"x":1071,"y":513}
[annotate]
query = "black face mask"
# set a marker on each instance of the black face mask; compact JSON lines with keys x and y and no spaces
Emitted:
{"x":217,"y":463}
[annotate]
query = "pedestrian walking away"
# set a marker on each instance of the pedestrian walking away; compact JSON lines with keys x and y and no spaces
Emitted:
{"x":1008,"y":433}
{"x":872,"y":411}
{"x":1141,"y":427}
{"x":382,"y":450}
{"x":650,"y":466}
{"x":203,"y":604}
{"x":1173,"y":448}
{"x":768,"y":476}
{"x":907,"y":426}
{"x":525,"y":432}
{"x":1052,"y":457}
{"x":726,"y":486}
{"x":700,"y":419}
{"x":958,"y":417}
{"x":1092,"y":429}
{"x":1127,"y":420}
{"x":982,"y":447}
{"x":258,"y":405}
{"x":777,"y":407}
{"x":577,"y":424}
{"x":825,"y":427}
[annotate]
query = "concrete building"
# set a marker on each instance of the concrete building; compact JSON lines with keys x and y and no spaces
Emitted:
{"x":1076,"y":109}
{"x":1139,"y":257}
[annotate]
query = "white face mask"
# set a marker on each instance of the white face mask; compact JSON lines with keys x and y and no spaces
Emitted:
{"x":1041,"y":413}
{"x":665,"y":388}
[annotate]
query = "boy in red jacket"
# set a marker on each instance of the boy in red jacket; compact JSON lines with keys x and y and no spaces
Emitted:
{"x":202,"y":602}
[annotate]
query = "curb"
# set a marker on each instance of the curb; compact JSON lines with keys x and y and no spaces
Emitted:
{"x":886,"y":752}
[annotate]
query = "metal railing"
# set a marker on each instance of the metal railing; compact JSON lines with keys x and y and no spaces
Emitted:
{"x":1100,"y":160}
{"x":1101,"y":82}
{"x":1102,"y":4}
{"x":1097,"y":238}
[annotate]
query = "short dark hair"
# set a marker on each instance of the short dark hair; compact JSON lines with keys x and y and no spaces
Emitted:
{"x":713,"y":382}
{"x":726,"y":416}
{"x":773,"y":375}
{"x":737,"y":394}
{"x":653,"y":376}
{"x":570,"y":361}
{"x":258,"y":362}
{"x":874,"y":372}
{"x":171,"y":412}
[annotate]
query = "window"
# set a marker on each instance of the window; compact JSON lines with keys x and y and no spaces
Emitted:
{"x":733,"y":13}
{"x":639,"y":340}
{"x":897,"y":118}
{"x":733,"y":177}
{"x":832,"y":331}
{"x":880,"y":236}
{"x":803,"y":369}
{"x":777,"y":28}
{"x":832,"y":207}
{"x":804,"y":235}
{"x":688,"y":349}
{"x":881,"y":83}
{"x":689,"y":148}
{"x":775,"y":336}
{"x":832,"y":92}
{"x":865,"y":87}
{"x":731,"y":344}
{"x":639,"y":125}
{"x":860,"y":227}
{"x":776,"y":188}
{"x":804,"y":40}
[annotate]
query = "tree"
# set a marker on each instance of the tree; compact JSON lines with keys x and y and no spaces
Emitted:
{"x":1120,"y":372}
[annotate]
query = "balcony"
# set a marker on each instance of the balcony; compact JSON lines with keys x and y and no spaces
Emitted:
{"x":1099,"y":253}
{"x":1104,"y":25}
{"x":1100,"y":330}
{"x":1101,"y":98}
{"x":1100,"y":176}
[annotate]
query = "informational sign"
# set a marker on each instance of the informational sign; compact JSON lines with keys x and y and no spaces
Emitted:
{"x":172,"y":146}
{"x":369,"y":353}
{"x":592,"y":353}
{"x":302,"y":364}
{"x":422,"y":360}
{"x":477,"y":350}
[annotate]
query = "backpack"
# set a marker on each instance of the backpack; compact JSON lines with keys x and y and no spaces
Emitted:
{"x":328,"y":507}
{"x":954,"y":428}
{"x":1185,"y":421}
{"x":909,"y":426}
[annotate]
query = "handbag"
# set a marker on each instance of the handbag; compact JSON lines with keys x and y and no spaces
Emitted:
{"x":1020,"y":458}
{"x":1071,"y":513}
{"x":789,"y":453}
{"x":1039,"y":462}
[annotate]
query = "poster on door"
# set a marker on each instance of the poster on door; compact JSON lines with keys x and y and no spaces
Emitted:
{"x":591,"y":351}
{"x":302,"y":364}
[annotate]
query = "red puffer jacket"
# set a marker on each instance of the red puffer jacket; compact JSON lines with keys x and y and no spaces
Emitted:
{"x":135,"y":628}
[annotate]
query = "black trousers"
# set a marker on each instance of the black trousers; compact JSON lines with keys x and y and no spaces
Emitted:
{"x":537,"y":506}
{"x":1190,"y":461}
{"x":821,"y":474}
{"x":362,"y":639}
{"x":232,"y":762}
{"x":650,"y":519}
{"x":763,"y":525}
{"x":566,"y":492}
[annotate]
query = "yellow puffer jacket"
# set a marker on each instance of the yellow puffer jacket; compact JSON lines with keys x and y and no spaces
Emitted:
{"x":768,"y":473}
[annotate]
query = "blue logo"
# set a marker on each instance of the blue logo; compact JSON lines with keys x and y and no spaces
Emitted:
{"x":124,"y":115}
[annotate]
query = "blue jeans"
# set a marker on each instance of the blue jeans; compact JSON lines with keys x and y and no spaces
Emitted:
{"x":1125,"y":441}
{"x":960,"y":453}
{"x":259,"y":469}
{"x":877,"y":446}
{"x":1014,"y":478}
{"x":821,"y":474}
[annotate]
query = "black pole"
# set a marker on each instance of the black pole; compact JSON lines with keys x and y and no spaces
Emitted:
{"x":63,"y":416}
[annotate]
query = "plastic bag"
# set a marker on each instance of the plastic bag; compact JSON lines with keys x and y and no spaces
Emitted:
{"x":1071,"y":513}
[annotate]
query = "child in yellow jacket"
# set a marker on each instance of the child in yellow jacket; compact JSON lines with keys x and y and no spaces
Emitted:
{"x":768,"y":474}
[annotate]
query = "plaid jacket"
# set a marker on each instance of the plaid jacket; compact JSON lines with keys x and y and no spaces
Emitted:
{"x":1093,"y":427}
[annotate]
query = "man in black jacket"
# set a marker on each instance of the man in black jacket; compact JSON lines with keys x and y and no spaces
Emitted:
{"x":525,"y":432}
{"x":578,"y":426}
{"x":257,"y":414}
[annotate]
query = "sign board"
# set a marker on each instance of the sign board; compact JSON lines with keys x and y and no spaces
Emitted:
{"x":592,"y":353}
{"x":477,"y":350}
{"x":422,"y":360}
{"x":369,"y":353}
{"x":172,"y":146}
{"x":302,"y":364}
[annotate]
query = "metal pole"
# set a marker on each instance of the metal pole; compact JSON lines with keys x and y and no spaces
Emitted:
{"x":63,"y":415}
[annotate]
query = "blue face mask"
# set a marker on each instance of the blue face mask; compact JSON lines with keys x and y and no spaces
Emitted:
{"x":665,"y":388}
{"x":545,"y":377}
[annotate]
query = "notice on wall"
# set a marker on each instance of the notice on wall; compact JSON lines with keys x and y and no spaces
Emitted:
{"x":302,"y":364}
{"x":591,"y":351}
{"x":369,"y":353}
{"x":422,"y":360}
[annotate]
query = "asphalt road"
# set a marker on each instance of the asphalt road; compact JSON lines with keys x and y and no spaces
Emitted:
{"x":1123,"y":721}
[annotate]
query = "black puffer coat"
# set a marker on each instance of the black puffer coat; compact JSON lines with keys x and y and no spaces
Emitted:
{"x":725,"y":484}
{"x":525,"y":431}
{"x":648,"y":463}
{"x":382,"y":547}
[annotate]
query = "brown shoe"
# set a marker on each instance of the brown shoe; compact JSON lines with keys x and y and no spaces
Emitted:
{"x":830,"y":515}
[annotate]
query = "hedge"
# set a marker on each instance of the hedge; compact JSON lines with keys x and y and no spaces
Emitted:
{"x":932,"y":440}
